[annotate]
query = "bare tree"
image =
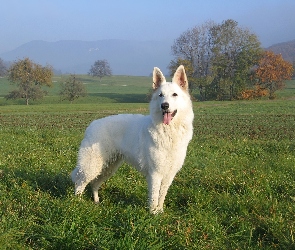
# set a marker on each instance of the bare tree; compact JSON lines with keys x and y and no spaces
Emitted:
{"x":195,"y":46}
{"x":100,"y":68}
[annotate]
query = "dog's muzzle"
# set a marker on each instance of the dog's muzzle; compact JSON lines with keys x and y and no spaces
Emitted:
{"x":167,"y":115}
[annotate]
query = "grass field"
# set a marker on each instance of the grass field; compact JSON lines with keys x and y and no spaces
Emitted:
{"x":123,"y":89}
{"x":236,"y":189}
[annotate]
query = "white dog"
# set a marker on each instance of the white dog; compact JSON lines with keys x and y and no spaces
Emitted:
{"x":155,"y":144}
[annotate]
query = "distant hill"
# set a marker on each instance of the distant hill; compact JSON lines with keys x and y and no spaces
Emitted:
{"x":287,"y":49}
{"x":125,"y":57}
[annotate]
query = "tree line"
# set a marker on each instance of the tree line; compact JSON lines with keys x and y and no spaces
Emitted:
{"x":222,"y":61}
{"x":225,"y":61}
{"x":30,"y":77}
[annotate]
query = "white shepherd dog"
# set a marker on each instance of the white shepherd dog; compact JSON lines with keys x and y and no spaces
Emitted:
{"x":155,"y":144}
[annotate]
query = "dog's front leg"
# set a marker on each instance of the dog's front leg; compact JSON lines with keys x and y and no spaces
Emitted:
{"x":165,"y":184}
{"x":154,"y":183}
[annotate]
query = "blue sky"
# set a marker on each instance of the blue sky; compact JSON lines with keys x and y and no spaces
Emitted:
{"x":273,"y":21}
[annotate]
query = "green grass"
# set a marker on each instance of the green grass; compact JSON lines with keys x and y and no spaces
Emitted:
{"x":236,"y":189}
{"x":115,"y":89}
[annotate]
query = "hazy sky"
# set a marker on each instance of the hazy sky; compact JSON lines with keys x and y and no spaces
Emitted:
{"x":273,"y":21}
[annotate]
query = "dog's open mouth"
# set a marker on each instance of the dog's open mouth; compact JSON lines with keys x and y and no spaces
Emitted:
{"x":168,"y":116}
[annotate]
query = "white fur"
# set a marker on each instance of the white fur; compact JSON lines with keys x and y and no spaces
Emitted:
{"x":155,"y":149}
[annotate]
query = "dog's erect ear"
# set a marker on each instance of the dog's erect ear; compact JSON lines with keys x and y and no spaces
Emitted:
{"x":180,"y":77}
{"x":158,"y":78}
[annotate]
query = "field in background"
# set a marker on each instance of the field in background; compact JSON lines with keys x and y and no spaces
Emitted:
{"x":115,"y":89}
{"x":123,"y":89}
{"x":235,"y":191}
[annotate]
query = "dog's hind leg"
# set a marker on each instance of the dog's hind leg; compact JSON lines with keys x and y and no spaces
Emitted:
{"x":107,"y":172}
{"x":89,"y":165}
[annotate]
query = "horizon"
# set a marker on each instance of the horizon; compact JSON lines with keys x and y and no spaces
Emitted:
{"x":114,"y":39}
{"x":123,"y":55}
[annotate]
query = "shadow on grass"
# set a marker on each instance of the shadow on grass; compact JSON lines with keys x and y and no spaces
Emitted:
{"x":122,"y":196}
{"x":122,"y":98}
{"x":56,"y":184}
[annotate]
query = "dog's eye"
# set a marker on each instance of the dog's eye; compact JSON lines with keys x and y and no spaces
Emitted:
{"x":161,"y":95}
{"x":174,"y":94}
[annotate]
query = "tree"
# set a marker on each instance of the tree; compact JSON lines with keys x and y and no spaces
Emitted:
{"x":29,"y":77}
{"x":72,"y":89}
{"x":221,"y":56}
{"x":272,"y":71}
{"x":235,"y":50}
{"x":100,"y":68}
{"x":194,"y":46}
{"x":255,"y":93}
{"x":2,"y":68}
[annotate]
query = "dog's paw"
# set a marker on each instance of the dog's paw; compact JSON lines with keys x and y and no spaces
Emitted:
{"x":156,"y":210}
{"x":96,"y":201}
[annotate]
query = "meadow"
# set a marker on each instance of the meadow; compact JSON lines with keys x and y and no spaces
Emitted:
{"x":236,"y":189}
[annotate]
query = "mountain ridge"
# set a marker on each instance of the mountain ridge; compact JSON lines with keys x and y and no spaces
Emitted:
{"x":286,"y":49}
{"x":126,"y":57}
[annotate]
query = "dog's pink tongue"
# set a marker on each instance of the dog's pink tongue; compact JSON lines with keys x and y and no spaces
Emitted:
{"x":167,"y":118}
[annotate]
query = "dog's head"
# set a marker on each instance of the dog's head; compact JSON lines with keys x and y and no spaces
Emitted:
{"x":170,"y":99}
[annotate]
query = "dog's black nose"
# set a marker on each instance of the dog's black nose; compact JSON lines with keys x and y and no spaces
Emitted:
{"x":165,"y":105}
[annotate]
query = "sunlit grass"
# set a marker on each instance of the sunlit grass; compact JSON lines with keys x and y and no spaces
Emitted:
{"x":236,"y":189}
